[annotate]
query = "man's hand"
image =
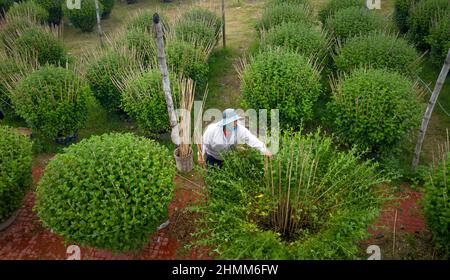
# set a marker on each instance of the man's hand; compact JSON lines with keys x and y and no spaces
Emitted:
{"x":201,"y":161}
{"x":268,"y":154}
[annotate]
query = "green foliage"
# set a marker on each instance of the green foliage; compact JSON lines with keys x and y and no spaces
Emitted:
{"x":439,"y":39}
{"x":332,"y":6}
{"x":108,"y":5}
{"x":354,"y":21}
{"x":54,"y":9}
{"x":142,"y":43}
{"x":207,"y":17}
{"x":143,"y":21}
{"x":107,"y":68}
{"x":53,"y":100}
{"x":109,"y":191}
{"x":298,"y":37}
{"x":188,"y":61}
{"x":84,"y":18}
{"x":197,"y":32}
{"x":15,"y":170}
{"x":29,"y":9}
{"x":308,"y":202}
{"x":401,"y":13}
{"x":41,"y":44}
{"x":437,"y":205}
{"x":374,"y":109}
{"x":284,"y":80}
{"x":285,"y":12}
{"x":378,"y":50}
{"x":5,"y":5}
{"x":143,"y":99}
{"x":13,"y":28}
{"x":421,"y":17}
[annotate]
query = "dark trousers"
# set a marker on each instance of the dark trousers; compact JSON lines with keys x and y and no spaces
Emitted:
{"x":212,"y":161}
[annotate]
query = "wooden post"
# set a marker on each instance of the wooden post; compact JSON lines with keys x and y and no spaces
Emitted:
{"x":165,"y":75}
{"x":426,"y":117}
{"x":100,"y":32}
{"x":223,"y":24}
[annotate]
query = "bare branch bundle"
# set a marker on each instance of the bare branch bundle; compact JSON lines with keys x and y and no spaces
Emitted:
{"x":187,"y":89}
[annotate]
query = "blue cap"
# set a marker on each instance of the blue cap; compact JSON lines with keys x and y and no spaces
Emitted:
{"x":229,"y":116}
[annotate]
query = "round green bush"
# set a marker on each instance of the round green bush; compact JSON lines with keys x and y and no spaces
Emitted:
{"x":10,"y":68}
{"x":184,"y":59}
{"x":297,"y":37}
{"x":284,"y":80}
{"x":42,"y":45}
{"x":142,"y":43}
{"x":15,"y":170}
{"x":198,"y":33}
{"x":436,"y":204}
{"x":285,"y":12}
{"x":109,"y":191}
{"x":332,"y":6}
{"x":439,"y":39}
{"x":54,"y":9}
{"x":105,"y":72}
{"x":143,"y":21}
{"x":401,"y":13}
{"x":84,"y":18}
{"x":205,"y":16}
{"x":108,"y":5}
{"x":421,"y":18}
{"x":143,"y":99}
{"x":13,"y":28}
{"x":5,"y":5}
{"x":29,"y":9}
{"x":299,"y":205}
{"x":354,"y":21}
{"x":53,"y":100}
{"x":378,"y":50}
{"x":374,"y":109}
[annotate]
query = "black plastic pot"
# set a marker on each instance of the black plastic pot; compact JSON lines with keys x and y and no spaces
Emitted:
{"x":67,"y":140}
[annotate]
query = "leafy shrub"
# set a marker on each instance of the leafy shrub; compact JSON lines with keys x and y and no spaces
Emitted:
{"x":297,"y":37}
{"x":435,"y":201}
{"x":143,"y":99}
{"x":5,"y":5}
{"x":53,"y":100}
{"x":107,"y":68}
{"x":374,"y":109}
{"x":29,"y":9}
{"x":108,"y":5}
{"x":84,"y":18}
{"x":308,"y":202}
{"x":41,"y":44}
{"x":286,"y":12}
{"x":439,"y":39}
{"x":199,"y":33}
{"x":378,"y":51}
{"x":15,"y":170}
{"x":54,"y":9}
{"x":142,"y":43}
{"x":143,"y":21}
{"x":421,"y":18}
{"x":13,"y":28}
{"x":109,"y":191}
{"x":355,"y":21}
{"x":206,"y":16}
{"x":401,"y":13}
{"x":184,"y":59}
{"x":332,"y":6}
{"x":284,"y":80}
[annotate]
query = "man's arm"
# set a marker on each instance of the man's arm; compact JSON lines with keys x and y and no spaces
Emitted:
{"x":248,"y":138}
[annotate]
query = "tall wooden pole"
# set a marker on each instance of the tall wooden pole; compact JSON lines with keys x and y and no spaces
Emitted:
{"x":165,"y":76}
{"x":223,"y":24}
{"x":426,"y":117}
{"x":99,"y":27}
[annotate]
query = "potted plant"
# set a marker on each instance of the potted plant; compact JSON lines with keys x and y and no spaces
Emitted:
{"x":15,"y":175}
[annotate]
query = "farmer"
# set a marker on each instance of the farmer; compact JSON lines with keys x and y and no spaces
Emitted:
{"x":224,"y":135}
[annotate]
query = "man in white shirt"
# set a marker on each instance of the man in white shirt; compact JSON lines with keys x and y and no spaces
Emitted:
{"x":222,"y":136}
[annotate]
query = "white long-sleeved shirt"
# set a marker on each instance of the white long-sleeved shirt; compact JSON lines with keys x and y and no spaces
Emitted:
{"x":215,"y":142}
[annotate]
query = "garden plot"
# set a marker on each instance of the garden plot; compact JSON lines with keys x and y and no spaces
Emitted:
{"x":350,"y":85}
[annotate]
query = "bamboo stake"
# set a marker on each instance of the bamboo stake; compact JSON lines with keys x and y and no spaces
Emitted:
{"x":223,"y":24}
{"x":165,"y":75}
{"x":100,"y":32}
{"x":426,"y":118}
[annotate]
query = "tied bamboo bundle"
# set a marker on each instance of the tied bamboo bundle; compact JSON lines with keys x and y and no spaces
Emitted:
{"x":187,"y":89}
